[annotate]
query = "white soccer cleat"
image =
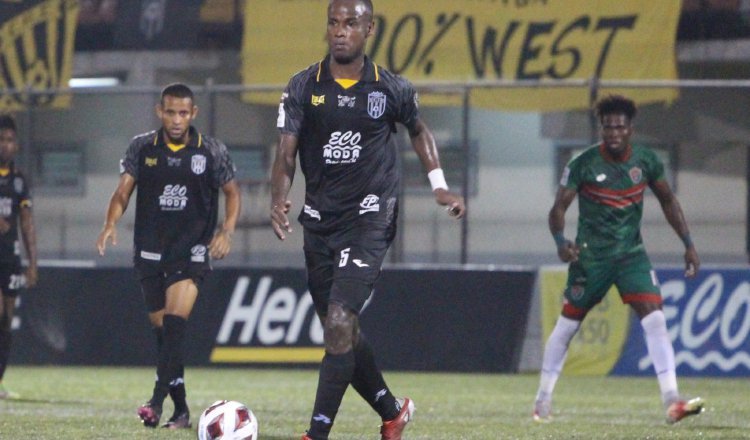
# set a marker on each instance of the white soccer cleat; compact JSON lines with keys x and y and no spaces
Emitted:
{"x":542,"y":411}
{"x":679,"y":409}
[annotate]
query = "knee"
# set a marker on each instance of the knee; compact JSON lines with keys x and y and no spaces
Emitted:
{"x":339,"y":329}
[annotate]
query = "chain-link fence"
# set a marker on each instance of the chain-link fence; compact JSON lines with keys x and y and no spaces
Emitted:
{"x":506,"y":163}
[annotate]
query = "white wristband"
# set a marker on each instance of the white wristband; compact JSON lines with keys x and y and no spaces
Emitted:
{"x":437,"y":179}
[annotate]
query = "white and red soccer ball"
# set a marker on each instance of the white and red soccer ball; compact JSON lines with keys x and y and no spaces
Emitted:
{"x":228,"y":420}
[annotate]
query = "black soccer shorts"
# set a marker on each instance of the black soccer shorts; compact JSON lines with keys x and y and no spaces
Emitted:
{"x":12,"y":279}
{"x":154,"y":282}
{"x":342,"y":266}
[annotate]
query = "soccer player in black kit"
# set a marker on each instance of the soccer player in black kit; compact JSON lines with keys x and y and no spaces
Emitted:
{"x":179,"y":172}
{"x":15,"y":211}
{"x":339,"y":114}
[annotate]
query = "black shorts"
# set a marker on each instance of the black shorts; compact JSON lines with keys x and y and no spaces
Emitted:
{"x":154,"y":282}
{"x":12,"y":279}
{"x":342,"y":266}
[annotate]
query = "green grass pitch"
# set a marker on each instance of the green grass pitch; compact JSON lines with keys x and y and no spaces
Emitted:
{"x":100,"y":403}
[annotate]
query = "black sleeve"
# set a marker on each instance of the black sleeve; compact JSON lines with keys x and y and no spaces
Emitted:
{"x":129,"y":164}
{"x":408,"y":103}
{"x":225,"y":169}
{"x":291,"y":109}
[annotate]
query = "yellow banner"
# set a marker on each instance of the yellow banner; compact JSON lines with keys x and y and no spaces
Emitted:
{"x":448,"y":40}
{"x":36,"y":52}
{"x":598,"y":344}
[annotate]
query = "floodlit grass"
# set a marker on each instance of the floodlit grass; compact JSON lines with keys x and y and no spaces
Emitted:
{"x":100,"y":403}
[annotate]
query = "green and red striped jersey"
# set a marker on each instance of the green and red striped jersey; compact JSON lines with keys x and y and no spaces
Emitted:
{"x":610,"y":197}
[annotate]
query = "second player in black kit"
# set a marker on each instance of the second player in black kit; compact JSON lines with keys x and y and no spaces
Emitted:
{"x":15,"y":214}
{"x":340,"y":115}
{"x":179,"y":172}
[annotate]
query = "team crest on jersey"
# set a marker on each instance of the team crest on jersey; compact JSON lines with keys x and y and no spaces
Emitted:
{"x":636,"y":174}
{"x":376,"y":104}
{"x":18,"y":184}
{"x":198,"y":164}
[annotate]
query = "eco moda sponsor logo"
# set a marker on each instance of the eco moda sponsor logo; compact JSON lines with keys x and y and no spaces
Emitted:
{"x":342,"y":148}
{"x":376,"y":104}
{"x":636,"y":174}
{"x":347,"y":101}
{"x":198,"y":253}
{"x":312,"y":212}
{"x":173,"y":198}
{"x":198,"y":164}
{"x":369,"y":204}
{"x":708,"y":322}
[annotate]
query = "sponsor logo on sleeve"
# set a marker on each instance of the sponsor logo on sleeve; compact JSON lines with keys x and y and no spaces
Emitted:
{"x":281,"y":119}
{"x":565,"y":176}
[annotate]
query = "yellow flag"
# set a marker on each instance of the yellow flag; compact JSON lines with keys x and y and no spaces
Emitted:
{"x":36,"y":48}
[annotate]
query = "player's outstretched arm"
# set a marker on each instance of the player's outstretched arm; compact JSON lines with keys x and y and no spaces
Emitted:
{"x":116,"y":208}
{"x":28,"y":234}
{"x":424,"y":145}
{"x":567,"y":250}
{"x":221,"y":243}
{"x":676,"y":218}
{"x":282,"y":176}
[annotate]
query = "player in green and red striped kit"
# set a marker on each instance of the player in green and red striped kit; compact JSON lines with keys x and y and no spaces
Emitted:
{"x":610,"y":179}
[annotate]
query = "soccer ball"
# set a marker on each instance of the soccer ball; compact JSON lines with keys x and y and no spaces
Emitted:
{"x":227,"y":420}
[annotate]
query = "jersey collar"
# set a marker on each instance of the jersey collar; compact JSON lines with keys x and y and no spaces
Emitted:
{"x":196,"y":138}
{"x":609,"y":158}
{"x":370,"y":74}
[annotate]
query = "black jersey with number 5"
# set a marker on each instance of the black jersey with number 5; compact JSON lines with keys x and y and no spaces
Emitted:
{"x":177,"y":197}
{"x":14,"y":195}
{"x":344,"y":132}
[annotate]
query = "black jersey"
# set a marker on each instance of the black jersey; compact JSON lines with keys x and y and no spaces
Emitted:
{"x":350,"y":164}
{"x":14,"y":195}
{"x":177,"y":197}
